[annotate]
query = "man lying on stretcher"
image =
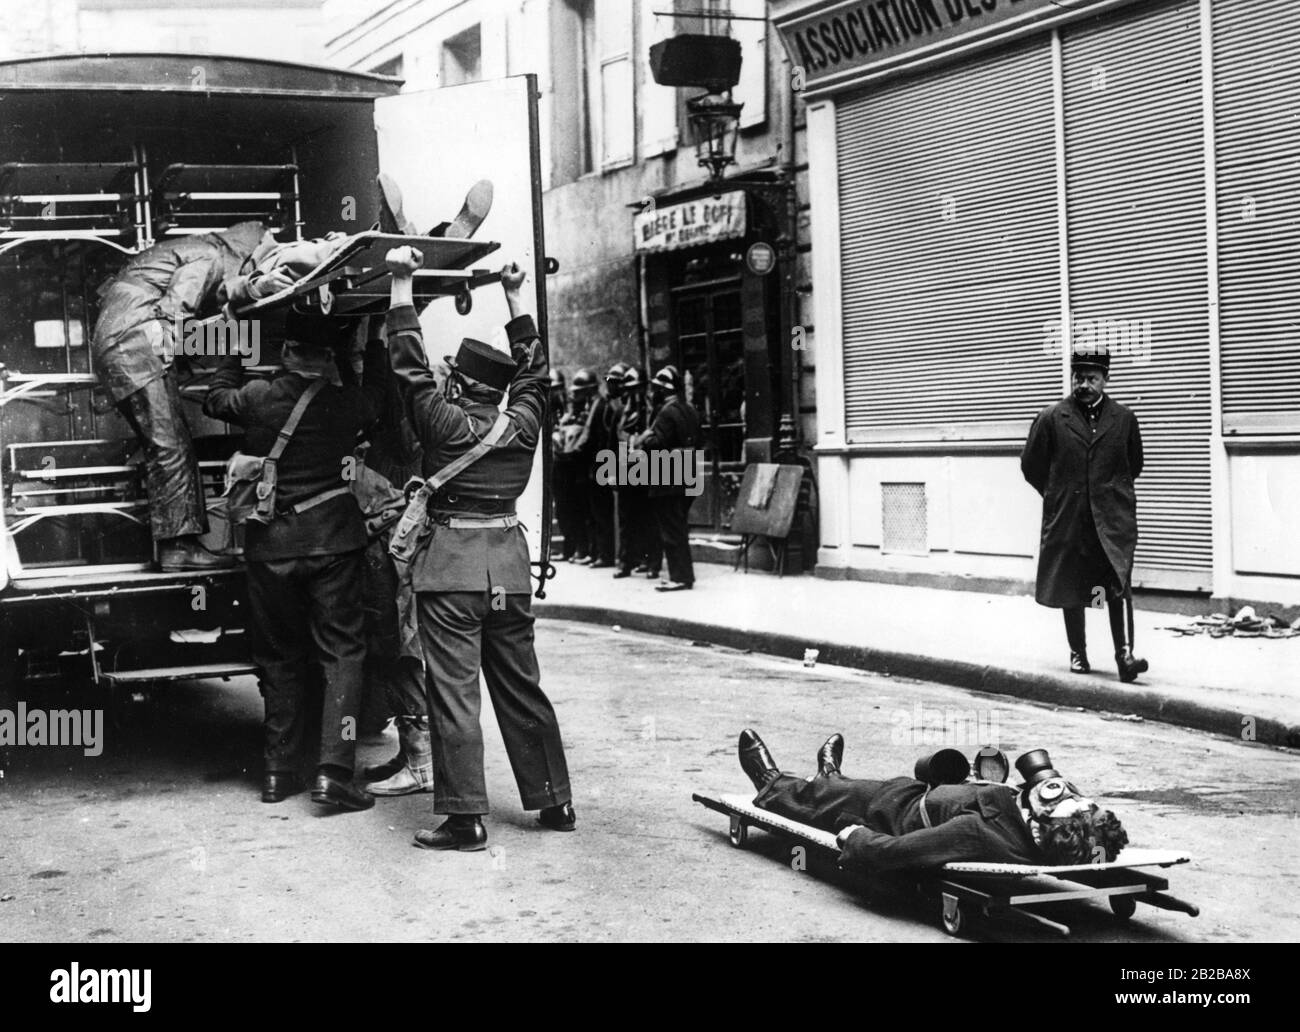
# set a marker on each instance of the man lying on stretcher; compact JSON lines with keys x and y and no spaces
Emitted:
{"x":909,"y":824}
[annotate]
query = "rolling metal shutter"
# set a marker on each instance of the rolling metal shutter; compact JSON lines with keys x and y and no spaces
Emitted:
{"x":1257,"y":126}
{"x":949,"y":251}
{"x":1135,"y":194}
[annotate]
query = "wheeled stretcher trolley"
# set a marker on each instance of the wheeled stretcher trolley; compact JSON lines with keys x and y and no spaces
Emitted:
{"x":993,"y":889}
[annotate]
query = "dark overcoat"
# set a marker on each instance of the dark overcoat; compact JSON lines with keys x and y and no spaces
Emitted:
{"x":974,"y":821}
{"x":1085,"y":475}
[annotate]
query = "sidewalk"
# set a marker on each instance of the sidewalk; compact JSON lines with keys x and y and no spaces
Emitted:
{"x":1003,"y":644}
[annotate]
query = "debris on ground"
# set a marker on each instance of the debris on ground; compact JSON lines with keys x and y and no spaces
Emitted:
{"x":1245,"y":624}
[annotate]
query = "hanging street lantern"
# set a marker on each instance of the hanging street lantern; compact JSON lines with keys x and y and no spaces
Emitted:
{"x":715,"y":122}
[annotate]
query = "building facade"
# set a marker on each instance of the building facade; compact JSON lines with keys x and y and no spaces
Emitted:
{"x":287,"y":30}
{"x":651,"y":252}
{"x":993,"y":182}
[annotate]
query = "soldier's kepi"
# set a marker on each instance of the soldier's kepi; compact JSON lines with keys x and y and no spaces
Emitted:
{"x":1083,"y":455}
{"x":467,"y":559}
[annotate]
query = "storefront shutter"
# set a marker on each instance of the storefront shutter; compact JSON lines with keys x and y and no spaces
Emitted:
{"x":1135,"y":194}
{"x":949,"y":251}
{"x":1257,"y":125}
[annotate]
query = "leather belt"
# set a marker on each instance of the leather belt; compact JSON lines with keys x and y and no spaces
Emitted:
{"x":463,"y":504}
{"x":474,"y":521}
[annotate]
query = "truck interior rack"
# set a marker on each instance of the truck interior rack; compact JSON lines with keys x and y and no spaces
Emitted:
{"x":70,"y":200}
{"x":190,"y":199}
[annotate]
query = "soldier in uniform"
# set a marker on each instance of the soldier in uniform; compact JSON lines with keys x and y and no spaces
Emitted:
{"x":570,"y":476}
{"x":471,"y":574}
{"x":638,"y":549}
{"x":305,"y":567}
{"x":1083,"y":455}
{"x":676,"y":427}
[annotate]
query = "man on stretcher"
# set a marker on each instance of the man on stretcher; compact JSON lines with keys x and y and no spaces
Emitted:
{"x":907,"y":824}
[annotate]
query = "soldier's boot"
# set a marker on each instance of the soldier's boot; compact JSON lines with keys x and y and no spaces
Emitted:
{"x":416,"y":774}
{"x":1120,"y":611}
{"x":1076,"y":634}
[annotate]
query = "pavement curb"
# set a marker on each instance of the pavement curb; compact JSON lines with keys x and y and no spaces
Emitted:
{"x":1078,"y":691}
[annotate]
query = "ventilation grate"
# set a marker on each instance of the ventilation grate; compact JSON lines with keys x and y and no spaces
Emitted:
{"x":904,"y":519}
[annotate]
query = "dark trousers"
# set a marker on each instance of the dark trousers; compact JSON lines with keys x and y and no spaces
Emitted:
{"x":170,"y":465}
{"x":600,"y":521}
{"x":461,"y":632}
{"x":305,"y":613}
{"x":638,"y":536}
{"x":392,"y":681}
{"x":571,"y":485}
{"x":670,"y":513}
{"x":827,"y":803}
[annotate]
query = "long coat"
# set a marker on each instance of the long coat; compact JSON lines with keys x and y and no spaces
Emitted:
{"x":180,"y":278}
{"x":1085,"y":476}
{"x":977,"y":822}
{"x":675,"y":427}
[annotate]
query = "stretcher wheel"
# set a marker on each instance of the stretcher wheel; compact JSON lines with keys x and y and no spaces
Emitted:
{"x":953,"y":918}
{"x":464,"y":302}
{"x":739,"y":833}
{"x":1123,"y":907}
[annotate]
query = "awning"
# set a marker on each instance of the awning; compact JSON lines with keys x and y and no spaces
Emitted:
{"x":703,"y":220}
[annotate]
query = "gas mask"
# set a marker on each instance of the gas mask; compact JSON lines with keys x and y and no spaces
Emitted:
{"x":1047,"y":794}
{"x":1055,"y":799}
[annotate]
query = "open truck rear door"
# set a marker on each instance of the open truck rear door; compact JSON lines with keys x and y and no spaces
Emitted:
{"x":437,"y":144}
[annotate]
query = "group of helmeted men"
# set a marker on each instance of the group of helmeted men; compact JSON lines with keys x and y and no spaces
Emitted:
{"x":629,"y":527}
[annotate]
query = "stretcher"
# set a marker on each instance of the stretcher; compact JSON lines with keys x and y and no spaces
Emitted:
{"x":993,"y":889}
{"x":354,"y":280}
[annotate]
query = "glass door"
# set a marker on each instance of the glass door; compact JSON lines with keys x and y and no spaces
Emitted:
{"x":711,"y":350}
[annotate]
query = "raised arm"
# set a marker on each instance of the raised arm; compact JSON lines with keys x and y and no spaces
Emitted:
{"x":434,"y":417}
{"x":526,"y":404}
{"x":229,"y":398}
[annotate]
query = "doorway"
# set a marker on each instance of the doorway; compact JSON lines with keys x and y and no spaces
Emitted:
{"x":711,"y":356}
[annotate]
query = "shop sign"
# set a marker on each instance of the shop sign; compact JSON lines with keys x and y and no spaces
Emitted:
{"x":832,"y":39}
{"x":760,"y":258}
{"x":691,"y":223}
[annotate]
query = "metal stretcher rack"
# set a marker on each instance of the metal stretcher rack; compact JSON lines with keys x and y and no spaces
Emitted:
{"x":66,"y":201}
{"x":189,"y":199}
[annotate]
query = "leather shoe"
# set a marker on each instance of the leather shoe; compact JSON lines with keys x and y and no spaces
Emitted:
{"x":830,"y":755}
{"x":462,"y":832}
{"x":340,"y":794}
{"x":620,"y":574}
{"x":1129,"y":665}
{"x":188,"y":553}
{"x":558,"y":818}
{"x":279,"y":785}
{"x":1079,"y":663}
{"x":755,"y":760}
